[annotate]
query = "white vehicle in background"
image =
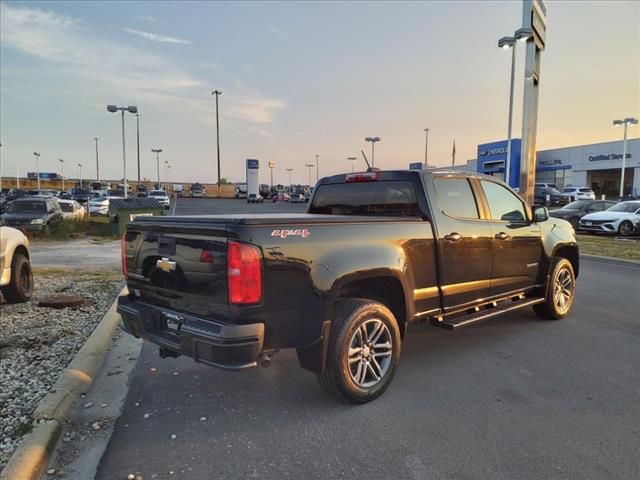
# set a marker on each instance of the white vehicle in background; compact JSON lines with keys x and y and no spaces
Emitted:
{"x":72,"y":210}
{"x":620,"y":219}
{"x":16,"y":278}
{"x":579,"y":193}
{"x":241,"y":190}
{"x":100,"y":205}
{"x":255,"y":198}
{"x":178,"y":189}
{"x":161,"y":196}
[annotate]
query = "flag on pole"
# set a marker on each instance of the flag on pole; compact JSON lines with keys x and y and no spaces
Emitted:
{"x":453,"y":154}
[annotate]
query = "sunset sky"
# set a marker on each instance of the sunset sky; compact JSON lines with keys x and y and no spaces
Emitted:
{"x":299,"y":79}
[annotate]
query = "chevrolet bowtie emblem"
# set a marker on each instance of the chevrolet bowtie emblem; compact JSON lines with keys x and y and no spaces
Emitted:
{"x":166,"y":265}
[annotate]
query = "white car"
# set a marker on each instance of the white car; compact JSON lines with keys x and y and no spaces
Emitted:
{"x":100,"y":205}
{"x":620,"y":219}
{"x":72,"y":210}
{"x":255,"y":198}
{"x":161,"y":196}
{"x":16,"y":278}
{"x":579,"y":193}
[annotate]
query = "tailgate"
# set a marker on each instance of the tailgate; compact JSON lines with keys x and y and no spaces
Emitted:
{"x":179,"y":267}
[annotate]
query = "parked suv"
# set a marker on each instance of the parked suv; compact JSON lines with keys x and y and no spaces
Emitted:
{"x":16,"y":278}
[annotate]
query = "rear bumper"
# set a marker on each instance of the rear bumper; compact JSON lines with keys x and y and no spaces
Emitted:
{"x":221,"y":345}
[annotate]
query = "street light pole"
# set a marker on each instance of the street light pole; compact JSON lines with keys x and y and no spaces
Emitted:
{"x":62,"y":172}
{"x":130,"y":109}
{"x":353,"y":159}
{"x":627,"y":122}
{"x":289,"y":170}
{"x":505,"y":43}
{"x":317,"y":168}
{"x":426,"y":147}
{"x":217,"y":93}
{"x":309,"y":166}
{"x":138,"y":141}
{"x":97,"y":161}
{"x":37,"y":155}
{"x":157,"y":151}
{"x":166,"y":175}
{"x":373,"y":141}
{"x":80,"y":165}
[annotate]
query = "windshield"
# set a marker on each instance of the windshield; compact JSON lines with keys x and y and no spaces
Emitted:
{"x":66,"y":207}
{"x":577,"y":205}
{"x":26,"y":207}
{"x":395,"y":198}
{"x":628,"y":207}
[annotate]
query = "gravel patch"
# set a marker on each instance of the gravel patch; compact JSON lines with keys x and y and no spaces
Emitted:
{"x":37,"y":343}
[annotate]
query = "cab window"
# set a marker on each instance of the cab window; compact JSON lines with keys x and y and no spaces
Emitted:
{"x":504,"y":205}
{"x":456,"y":197}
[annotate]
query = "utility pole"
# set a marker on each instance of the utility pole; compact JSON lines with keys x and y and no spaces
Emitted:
{"x":317,"y":168}
{"x":217,"y":93}
{"x":37,"y":155}
{"x":138,"y":139}
{"x":97,"y":161}
{"x":157,"y":151}
{"x":309,"y":166}
{"x":62,"y":172}
{"x":426,"y":147}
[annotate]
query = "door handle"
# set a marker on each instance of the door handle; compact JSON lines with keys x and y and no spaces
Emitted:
{"x":452,"y":237}
{"x":503,"y":236}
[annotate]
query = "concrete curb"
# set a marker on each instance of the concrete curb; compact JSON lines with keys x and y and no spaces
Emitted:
{"x":32,"y":456}
{"x":613,"y":260}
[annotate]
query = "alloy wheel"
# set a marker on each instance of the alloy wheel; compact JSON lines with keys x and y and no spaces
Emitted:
{"x":370,"y":352}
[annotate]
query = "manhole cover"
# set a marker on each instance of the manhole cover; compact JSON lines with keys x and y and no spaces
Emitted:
{"x":61,"y":301}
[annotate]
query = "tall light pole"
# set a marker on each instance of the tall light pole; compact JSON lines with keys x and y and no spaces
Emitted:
{"x":166,"y":175}
{"x":95,"y":139}
{"x":138,"y":141}
{"x":426,"y":147}
{"x":309,"y":166}
{"x":272,"y":165}
{"x":289,"y":170}
{"x":506,"y":43}
{"x":353,"y":160}
{"x":130,"y":109}
{"x":317,"y":168}
{"x":80,"y":175}
{"x":37,"y":155}
{"x":157,"y":151}
{"x":17,"y":177}
{"x":627,"y":122}
{"x":373,"y":141}
{"x":62,"y":171}
{"x":217,"y":93}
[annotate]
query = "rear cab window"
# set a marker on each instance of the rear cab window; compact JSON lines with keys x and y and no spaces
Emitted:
{"x":374,"y":198}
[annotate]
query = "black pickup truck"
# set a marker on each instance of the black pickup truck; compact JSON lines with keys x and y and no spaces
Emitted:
{"x":341,"y":283}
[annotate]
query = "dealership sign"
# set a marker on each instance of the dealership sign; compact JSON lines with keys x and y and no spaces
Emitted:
{"x":550,"y":162}
{"x":611,"y":156}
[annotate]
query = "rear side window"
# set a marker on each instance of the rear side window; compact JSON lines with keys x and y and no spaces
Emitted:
{"x":456,"y":198}
{"x":386,"y":198}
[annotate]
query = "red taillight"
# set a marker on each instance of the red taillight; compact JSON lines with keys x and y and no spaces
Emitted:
{"x":244,"y":273}
{"x":206,"y":256}
{"x":361,"y":177}
{"x":123,"y":247}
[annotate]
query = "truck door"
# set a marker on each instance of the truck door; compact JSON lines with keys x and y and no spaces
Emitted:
{"x":464,"y":241}
{"x":517,"y":242}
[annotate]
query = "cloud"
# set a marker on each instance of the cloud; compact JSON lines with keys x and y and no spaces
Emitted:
{"x":147,"y":18}
{"x":276,"y":31}
{"x":156,"y":37}
{"x":256,"y":110}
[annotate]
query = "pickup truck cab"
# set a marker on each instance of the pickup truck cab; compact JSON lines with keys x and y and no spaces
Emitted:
{"x":341,"y":283}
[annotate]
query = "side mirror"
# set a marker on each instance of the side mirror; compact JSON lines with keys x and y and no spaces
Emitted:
{"x":540,"y":214}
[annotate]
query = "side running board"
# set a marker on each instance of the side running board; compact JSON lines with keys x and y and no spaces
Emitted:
{"x":490,"y":311}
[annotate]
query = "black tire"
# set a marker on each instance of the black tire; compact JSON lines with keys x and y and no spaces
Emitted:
{"x":20,"y":286}
{"x":353,"y":319}
{"x":560,"y":292}
{"x":625,"y":228}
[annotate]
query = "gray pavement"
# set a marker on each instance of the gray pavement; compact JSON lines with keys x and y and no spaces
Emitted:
{"x":511,"y":398}
{"x":83,"y":253}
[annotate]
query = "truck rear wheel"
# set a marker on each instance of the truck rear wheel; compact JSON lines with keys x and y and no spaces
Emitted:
{"x":560,"y":291}
{"x":20,"y":286}
{"x":364,"y":349}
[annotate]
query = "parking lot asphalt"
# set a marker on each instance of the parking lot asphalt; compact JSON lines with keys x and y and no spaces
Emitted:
{"x":77,"y":254}
{"x":513,"y":397}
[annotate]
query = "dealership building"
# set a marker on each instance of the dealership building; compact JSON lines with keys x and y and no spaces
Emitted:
{"x":597,"y":165}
